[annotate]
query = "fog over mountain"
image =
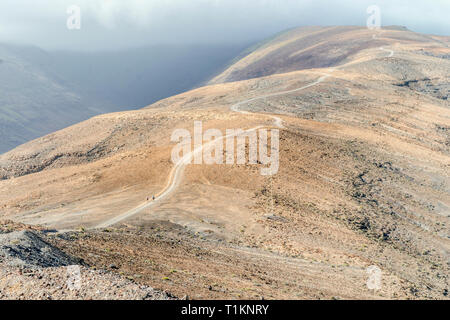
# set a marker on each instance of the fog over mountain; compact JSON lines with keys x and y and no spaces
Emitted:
{"x":135,"y":78}
{"x":33,"y":99}
{"x":117,"y":24}
{"x":43,"y":91}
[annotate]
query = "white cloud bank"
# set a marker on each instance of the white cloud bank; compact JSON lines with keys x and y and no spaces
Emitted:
{"x":122,"y":23}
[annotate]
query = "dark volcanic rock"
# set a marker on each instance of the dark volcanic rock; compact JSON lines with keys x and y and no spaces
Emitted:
{"x":26,"y":249}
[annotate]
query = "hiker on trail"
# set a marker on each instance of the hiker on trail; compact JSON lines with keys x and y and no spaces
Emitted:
{"x":148,"y":198}
{"x":154,"y":198}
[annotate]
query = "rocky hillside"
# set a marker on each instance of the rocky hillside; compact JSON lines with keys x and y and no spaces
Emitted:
{"x":31,"y":268}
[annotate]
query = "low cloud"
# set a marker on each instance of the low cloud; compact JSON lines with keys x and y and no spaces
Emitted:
{"x":108,"y":24}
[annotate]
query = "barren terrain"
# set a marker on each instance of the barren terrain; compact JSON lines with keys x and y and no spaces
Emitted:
{"x":363,"y":178}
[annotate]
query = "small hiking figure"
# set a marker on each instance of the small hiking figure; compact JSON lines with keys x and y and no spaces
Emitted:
{"x":148,"y":198}
{"x":154,"y":198}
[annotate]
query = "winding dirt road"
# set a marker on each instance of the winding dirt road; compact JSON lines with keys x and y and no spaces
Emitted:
{"x":176,"y":174}
{"x":391,"y":52}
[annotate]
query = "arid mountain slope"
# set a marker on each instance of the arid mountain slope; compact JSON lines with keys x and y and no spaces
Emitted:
{"x":318,"y":47}
{"x":363,"y":179}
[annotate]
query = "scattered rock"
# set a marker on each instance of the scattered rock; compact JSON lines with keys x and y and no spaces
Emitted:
{"x":26,"y":249}
{"x":275,"y":218}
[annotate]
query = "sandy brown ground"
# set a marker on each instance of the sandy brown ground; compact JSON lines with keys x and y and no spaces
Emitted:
{"x":363,"y":181}
{"x":197,"y":266}
{"x":32,"y":269}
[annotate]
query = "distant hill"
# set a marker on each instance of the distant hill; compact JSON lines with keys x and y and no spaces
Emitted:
{"x":313,"y":47}
{"x":33,"y":101}
{"x":41,"y":92}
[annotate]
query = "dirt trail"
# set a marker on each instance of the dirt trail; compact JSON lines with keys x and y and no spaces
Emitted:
{"x":176,"y":174}
{"x":391,"y":52}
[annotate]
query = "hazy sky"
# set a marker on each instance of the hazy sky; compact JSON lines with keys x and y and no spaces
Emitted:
{"x":109,"y":24}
